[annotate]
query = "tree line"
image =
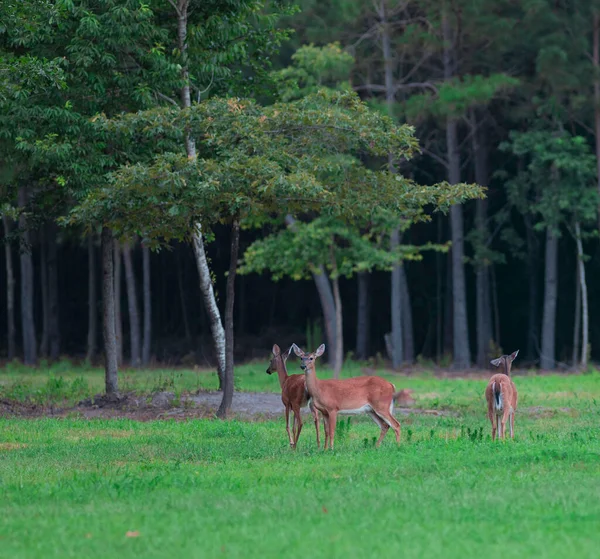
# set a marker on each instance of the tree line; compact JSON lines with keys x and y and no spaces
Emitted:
{"x":151,"y":149}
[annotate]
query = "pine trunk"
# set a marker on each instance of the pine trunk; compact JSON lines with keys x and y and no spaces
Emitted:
{"x":92,"y":298}
{"x":584,"y":300}
{"x":134,"y":316}
{"x":482,"y":286}
{"x":548,"y":357}
{"x":339,"y":340}
{"x":53,"y":304}
{"x":44,"y":291}
{"x":117,"y":296}
{"x":532,"y":350}
{"x":27,"y":315}
{"x":462,"y":357}
{"x":397,"y":338}
{"x":229,"y":338}
{"x":10,"y":293}
{"x":147,"y":307}
{"x":577,"y":320}
{"x":363,"y":316}
{"x":108,"y":304}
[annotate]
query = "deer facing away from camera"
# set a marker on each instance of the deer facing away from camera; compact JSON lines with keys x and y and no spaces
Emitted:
{"x":293,"y":395}
{"x":369,"y":394}
{"x":501,"y":395}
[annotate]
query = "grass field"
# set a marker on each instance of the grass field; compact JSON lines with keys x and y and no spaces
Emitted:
{"x":206,"y":488}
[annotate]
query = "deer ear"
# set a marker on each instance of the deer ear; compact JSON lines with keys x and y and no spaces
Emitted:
{"x":276,"y":351}
{"x":320,"y":350}
{"x":286,"y":354}
{"x":496,"y":362}
{"x":297,"y":350}
{"x":513,"y":355}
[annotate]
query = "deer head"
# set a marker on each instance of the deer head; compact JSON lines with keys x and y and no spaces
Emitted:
{"x":277,"y":355}
{"x":308,"y":359}
{"x":506,"y":360}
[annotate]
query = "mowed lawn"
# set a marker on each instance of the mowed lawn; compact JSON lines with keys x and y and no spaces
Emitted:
{"x":207,"y":488}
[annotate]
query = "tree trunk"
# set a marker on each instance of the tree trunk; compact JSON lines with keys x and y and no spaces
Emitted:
{"x":448,"y":308}
{"x":547,"y":360}
{"x":408,"y":343}
{"x":134,"y":316}
{"x":339,"y":340}
{"x":210,"y":303}
{"x":439,"y":318}
{"x":53,"y":315}
{"x":229,"y":341}
{"x":462,"y":357}
{"x":363,"y":316}
{"x":27,"y":316}
{"x":397,"y":338}
{"x":190,"y":147}
{"x":584,"y":300}
{"x":117,"y":296}
{"x":109,"y":323}
{"x":10,"y":293}
{"x":44,"y":291}
{"x":532,"y":349}
{"x":184,"y":311}
{"x":577,"y":321}
{"x":482,"y":286}
{"x":147,"y":306}
{"x":92,"y":299}
{"x":596,"y":62}
{"x":327,"y":303}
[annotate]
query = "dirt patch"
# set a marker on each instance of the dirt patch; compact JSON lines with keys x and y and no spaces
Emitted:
{"x":12,"y":446}
{"x":254,"y":406}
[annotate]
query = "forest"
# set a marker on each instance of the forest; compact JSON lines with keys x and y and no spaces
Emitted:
{"x":414,"y":181}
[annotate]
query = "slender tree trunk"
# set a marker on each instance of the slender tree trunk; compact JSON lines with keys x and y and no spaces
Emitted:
{"x":134,"y":316}
{"x":596,"y":62}
{"x":408,"y":343}
{"x":117,"y":294}
{"x":325,"y":292}
{"x":201,"y":262}
{"x":206,"y":287}
{"x":363,"y":316}
{"x":548,"y":356}
{"x":532,"y":275}
{"x":92,"y":300}
{"x":462,"y":357}
{"x":584,"y":300}
{"x":147,"y":307}
{"x":184,"y":311}
{"x":439,"y":318}
{"x":483,"y":310}
{"x":401,"y":313}
{"x":10,"y":293}
{"x":44,"y":290}
{"x":54,"y":319}
{"x":229,"y":341}
{"x":108,"y":304}
{"x":577,"y":321}
{"x":27,"y":316}
{"x":448,"y":309}
{"x":339,"y":341}
{"x":397,"y":338}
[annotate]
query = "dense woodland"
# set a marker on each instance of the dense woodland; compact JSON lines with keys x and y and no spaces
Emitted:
{"x":151,"y":150}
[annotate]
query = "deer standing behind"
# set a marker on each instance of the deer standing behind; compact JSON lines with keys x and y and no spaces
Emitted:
{"x":368,"y":394}
{"x":293,"y":395}
{"x":501,"y":395}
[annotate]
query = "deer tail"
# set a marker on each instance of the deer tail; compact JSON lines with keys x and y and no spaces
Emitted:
{"x":497,"y":390}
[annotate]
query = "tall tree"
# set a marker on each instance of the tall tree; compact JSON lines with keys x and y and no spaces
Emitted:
{"x":132,"y":304}
{"x":108,"y":305}
{"x":10,"y":292}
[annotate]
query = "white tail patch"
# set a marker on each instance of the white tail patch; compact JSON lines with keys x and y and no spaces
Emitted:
{"x":498,"y":400}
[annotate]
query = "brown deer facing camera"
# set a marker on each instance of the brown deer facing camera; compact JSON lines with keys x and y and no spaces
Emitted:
{"x":371,"y":395}
{"x":293,"y":395}
{"x":501,"y":395}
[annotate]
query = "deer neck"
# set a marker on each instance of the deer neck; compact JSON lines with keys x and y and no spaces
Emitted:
{"x":312,"y":383}
{"x":281,"y":372}
{"x":506,"y":367}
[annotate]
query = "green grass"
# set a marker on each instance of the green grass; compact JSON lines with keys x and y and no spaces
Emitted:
{"x":206,"y":488}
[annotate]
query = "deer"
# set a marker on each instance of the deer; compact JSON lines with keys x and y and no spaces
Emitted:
{"x":366,"y":394}
{"x":293,"y":395}
{"x":501,"y":395}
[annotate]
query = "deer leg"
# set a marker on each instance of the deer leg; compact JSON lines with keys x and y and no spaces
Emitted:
{"x":316,"y":417}
{"x":298,"y":418}
{"x":503,"y":426}
{"x":332,"y":425}
{"x":512,"y":425}
{"x":390,"y":421}
{"x":287,"y":425}
{"x":326,"y":429}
